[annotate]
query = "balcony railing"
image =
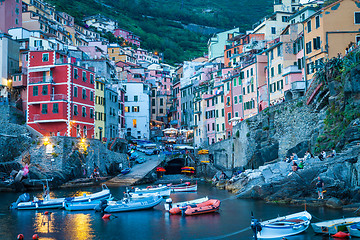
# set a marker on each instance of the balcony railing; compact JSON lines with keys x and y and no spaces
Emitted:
{"x":57,"y":97}
{"x":34,"y":80}
{"x":291,"y":69}
{"x":299,"y":85}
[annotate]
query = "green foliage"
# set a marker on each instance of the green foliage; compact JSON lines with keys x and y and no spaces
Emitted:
{"x":248,"y":134}
{"x":162,"y":24}
{"x":299,"y":104}
{"x":265,"y":128}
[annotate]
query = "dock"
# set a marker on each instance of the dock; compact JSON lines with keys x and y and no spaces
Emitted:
{"x":137,"y":173}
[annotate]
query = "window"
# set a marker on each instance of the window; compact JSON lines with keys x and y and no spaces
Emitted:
{"x":251,"y":71}
{"x":223,"y":112}
{"x":125,"y":98}
{"x":44,"y":109}
{"x":273,"y":30}
{"x":236,"y":114}
{"x":83,"y":111}
{"x":91,"y":78}
{"x":279,"y":68}
{"x":308,"y":48}
{"x":161,"y":110}
{"x":84,"y":94}
{"x":91,"y":113}
{"x":134,"y":123}
{"x":91,"y":96}
{"x":153,"y":102}
{"x":228,"y":86}
{"x":76,"y":110}
{"x":357,"y":17}
{"x":222,"y":98}
{"x":135,"y":98}
{"x":316,"y":43}
{"x":228,"y":101}
{"x":217,"y":127}
{"x":76,"y":75}
{"x":84,"y":76}
{"x":55,"y":108}
{"x":127,"y":109}
{"x":161,"y":102}
{"x":235,"y":100}
{"x":229,"y":116}
{"x":309,"y":26}
{"x":135,"y":109}
{"x":234,"y":82}
{"x":272,"y":72}
{"x":317,"y":21}
{"x":279,"y":52}
{"x":35,"y":91}
{"x":45,"y":57}
{"x":284,"y":18}
{"x":153,"y":111}
{"x":97,"y":85}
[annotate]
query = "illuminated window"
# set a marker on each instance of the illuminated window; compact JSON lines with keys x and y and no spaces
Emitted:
{"x":134,"y":123}
{"x":127,"y":109}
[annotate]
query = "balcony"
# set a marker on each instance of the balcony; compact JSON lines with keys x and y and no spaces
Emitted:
{"x":19,"y":80}
{"x":37,"y":80}
{"x":58,"y":97}
{"x":298,"y":86}
{"x":44,"y":118}
{"x":291,"y":70}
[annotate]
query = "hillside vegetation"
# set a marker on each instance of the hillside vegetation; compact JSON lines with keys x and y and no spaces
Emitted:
{"x":160,"y":23}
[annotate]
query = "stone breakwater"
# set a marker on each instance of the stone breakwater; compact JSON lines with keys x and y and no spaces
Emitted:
{"x":276,"y":182}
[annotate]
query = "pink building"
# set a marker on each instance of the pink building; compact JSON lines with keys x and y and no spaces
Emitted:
{"x":127,"y":36}
{"x":10,"y":14}
{"x":210,"y":118}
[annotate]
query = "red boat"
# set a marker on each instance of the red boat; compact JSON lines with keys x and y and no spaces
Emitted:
{"x":208,"y":206}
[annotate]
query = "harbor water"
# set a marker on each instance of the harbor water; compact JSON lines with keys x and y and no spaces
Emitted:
{"x":231,"y":222}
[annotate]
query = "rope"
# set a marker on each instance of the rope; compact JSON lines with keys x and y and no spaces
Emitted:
{"x":226,"y":235}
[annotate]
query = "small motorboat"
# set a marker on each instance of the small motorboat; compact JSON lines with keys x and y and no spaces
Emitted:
{"x":174,"y":208}
{"x":184,"y":187}
{"x":284,"y":226}
{"x":82,"y":206}
{"x":354,"y":229}
{"x":128,"y":204}
{"x":334,"y":226}
{"x":125,"y":171}
{"x":24,"y":203}
{"x":152,"y":189}
{"x":164,"y":193}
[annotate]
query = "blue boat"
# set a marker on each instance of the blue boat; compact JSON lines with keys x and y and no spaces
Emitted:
{"x":125,"y":171}
{"x":128,"y":204}
{"x":83,"y":206}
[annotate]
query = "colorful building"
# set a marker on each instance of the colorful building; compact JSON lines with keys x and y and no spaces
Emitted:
{"x":10,"y":15}
{"x":60,"y":95}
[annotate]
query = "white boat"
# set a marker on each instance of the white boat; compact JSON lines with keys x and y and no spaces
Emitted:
{"x":285,"y":226}
{"x":169,"y":204}
{"x":334,"y":226}
{"x":151,"y":189}
{"x":82,"y":206}
{"x":354,"y":230}
{"x":133,"y":204}
{"x":184,"y":187}
{"x":24,"y":203}
{"x":163,"y":193}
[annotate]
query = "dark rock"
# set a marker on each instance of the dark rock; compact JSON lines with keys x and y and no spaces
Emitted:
{"x":352,"y":81}
{"x":334,"y":203}
{"x":299,"y":149}
{"x":352,"y":134}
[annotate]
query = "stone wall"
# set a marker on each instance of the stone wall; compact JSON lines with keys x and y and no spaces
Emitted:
{"x":273,"y":134}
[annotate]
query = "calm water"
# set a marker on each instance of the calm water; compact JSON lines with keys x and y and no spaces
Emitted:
{"x":234,"y":215}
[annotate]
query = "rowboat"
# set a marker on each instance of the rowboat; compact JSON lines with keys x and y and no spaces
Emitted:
{"x":354,"y":229}
{"x":208,"y":206}
{"x":128,"y":204}
{"x":184,"y":187}
{"x":174,"y":208}
{"x":334,"y":226}
{"x":163,"y":193}
{"x":151,"y":189}
{"x":284,"y":226}
{"x":24,"y":203}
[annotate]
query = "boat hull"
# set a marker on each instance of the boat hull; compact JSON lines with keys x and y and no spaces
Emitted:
{"x":191,"y":188}
{"x":174,"y":208}
{"x":163,"y":193}
{"x":122,"y":206}
{"x":354,"y":230}
{"x":152,"y":189}
{"x":208,"y":206}
{"x":285,"y":226}
{"x":334,"y":226}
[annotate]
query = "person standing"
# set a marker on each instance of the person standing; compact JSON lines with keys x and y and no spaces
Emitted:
{"x":320,"y":186}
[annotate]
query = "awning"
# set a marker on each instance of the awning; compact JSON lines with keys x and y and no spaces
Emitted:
{"x":38,"y":69}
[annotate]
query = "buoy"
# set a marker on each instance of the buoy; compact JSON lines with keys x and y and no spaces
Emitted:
{"x":46,"y":213}
{"x":35,"y":237}
{"x":341,"y":235}
{"x":20,"y":237}
{"x":106,"y":216}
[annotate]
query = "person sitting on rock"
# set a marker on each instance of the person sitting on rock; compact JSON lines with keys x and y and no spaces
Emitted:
{"x":301,"y":165}
{"x":333,"y":153}
{"x":294,"y":166}
{"x":319,"y":187}
{"x":322,"y":156}
{"x":295,"y":156}
{"x":307,"y":156}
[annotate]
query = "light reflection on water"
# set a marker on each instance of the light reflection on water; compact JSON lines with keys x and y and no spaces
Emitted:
{"x":233,"y":216}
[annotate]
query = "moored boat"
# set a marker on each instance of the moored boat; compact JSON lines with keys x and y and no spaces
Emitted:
{"x":184,"y":187}
{"x":151,"y":189}
{"x":334,"y":226}
{"x":174,"y":208}
{"x":163,"y":193}
{"x":354,"y":230}
{"x":209,"y":206}
{"x":284,"y":226}
{"x":82,"y":206}
{"x":128,"y":204}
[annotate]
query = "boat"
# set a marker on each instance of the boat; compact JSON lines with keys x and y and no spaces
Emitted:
{"x":163,"y":193}
{"x":82,"y":206}
{"x":24,"y":202}
{"x":151,"y":189}
{"x":284,"y":226}
{"x":174,"y":208}
{"x":334,"y":226}
{"x":125,"y":171}
{"x":209,"y":206}
{"x":129,"y":204}
{"x":184,"y":187}
{"x":354,"y":229}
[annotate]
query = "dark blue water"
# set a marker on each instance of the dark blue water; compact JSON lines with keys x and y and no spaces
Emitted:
{"x":234,"y":215}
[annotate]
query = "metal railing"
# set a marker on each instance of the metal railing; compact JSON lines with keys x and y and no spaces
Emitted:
{"x":55,"y":97}
{"x":47,"y":79}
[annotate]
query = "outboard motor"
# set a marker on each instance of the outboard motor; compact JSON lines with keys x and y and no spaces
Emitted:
{"x":255,"y":227}
{"x":101,"y":206}
{"x":183,"y":208}
{"x":25,"y":197}
{"x":168,"y":204}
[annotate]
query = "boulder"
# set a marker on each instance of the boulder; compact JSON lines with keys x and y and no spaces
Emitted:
{"x":333,"y":202}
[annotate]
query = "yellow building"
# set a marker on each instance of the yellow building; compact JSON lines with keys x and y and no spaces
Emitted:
{"x":99,"y":108}
{"x":329,"y":32}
